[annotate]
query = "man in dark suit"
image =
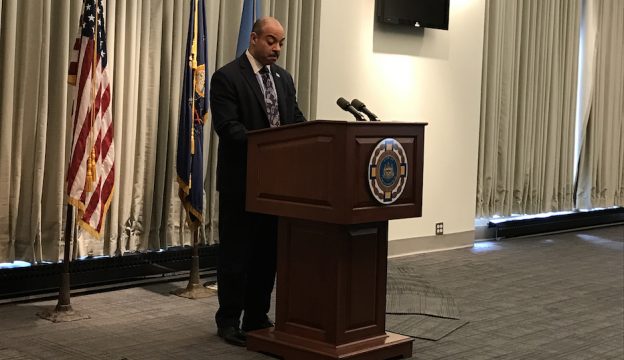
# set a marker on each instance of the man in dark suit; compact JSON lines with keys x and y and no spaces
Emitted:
{"x":249,"y":93}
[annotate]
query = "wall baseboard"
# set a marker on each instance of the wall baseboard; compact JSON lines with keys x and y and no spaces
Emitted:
{"x":418,"y":245}
{"x":99,"y":273}
{"x":555,"y":223}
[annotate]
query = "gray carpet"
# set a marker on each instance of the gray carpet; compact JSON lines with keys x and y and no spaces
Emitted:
{"x":417,"y":308}
{"x":422,"y":326}
{"x":12,"y":354}
{"x":552,"y":297}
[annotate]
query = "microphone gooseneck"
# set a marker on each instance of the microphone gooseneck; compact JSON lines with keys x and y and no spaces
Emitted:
{"x":359,"y":106}
{"x":346,"y":106}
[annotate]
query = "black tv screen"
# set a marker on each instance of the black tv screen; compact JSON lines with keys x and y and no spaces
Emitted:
{"x":418,"y":13}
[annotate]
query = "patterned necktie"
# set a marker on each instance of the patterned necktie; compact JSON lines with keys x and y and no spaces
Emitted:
{"x":270,"y":98}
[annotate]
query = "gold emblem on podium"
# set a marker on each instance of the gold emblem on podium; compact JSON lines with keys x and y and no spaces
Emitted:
{"x":387,"y":171}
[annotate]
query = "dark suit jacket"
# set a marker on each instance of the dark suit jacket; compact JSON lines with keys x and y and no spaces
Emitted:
{"x":238,"y":106}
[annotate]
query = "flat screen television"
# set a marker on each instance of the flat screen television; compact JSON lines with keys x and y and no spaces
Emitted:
{"x":416,"y":13}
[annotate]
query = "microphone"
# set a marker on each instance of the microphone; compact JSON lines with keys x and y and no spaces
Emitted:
{"x":359,"y":106}
{"x":346,"y":106}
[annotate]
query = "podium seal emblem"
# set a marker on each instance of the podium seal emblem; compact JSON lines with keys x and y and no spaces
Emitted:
{"x":387,"y":171}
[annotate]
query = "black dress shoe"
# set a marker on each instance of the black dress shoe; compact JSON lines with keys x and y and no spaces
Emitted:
{"x":233,"y":336}
{"x":257,"y":326}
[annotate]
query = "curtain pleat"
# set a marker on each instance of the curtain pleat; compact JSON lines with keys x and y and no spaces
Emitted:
{"x":527,"y":108}
{"x":601,"y":165}
{"x":8,"y":205}
{"x":57,"y":134}
{"x":146,"y":45}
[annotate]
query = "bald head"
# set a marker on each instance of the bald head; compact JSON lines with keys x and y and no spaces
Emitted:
{"x":266,"y":40}
{"x":258,"y":26}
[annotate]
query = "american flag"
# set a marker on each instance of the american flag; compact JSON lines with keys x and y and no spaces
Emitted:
{"x":91,"y":173}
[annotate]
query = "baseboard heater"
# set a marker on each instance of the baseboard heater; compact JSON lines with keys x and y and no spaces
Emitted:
{"x":555,"y":223}
{"x":29,"y":282}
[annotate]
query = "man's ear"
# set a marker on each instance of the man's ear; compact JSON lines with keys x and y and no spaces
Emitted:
{"x":253,"y":37}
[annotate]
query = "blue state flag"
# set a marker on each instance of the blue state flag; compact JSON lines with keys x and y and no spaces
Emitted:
{"x":193,"y":111}
{"x":251,"y":12}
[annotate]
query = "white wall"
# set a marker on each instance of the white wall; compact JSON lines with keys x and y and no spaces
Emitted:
{"x":423,"y":75}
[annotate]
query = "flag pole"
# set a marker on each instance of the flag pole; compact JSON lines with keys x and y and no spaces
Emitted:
{"x":194,"y":276}
{"x":194,"y":290}
{"x":64,"y":292}
{"x":63,"y":311}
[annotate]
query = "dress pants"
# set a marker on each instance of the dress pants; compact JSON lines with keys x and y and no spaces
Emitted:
{"x":246,"y":263}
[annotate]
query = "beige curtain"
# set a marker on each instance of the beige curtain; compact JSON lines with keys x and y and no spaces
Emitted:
{"x":528,"y":101}
{"x":601,"y":165}
{"x":146,"y":41}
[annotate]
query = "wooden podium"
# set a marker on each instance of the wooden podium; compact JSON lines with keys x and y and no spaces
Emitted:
{"x":333,"y":234}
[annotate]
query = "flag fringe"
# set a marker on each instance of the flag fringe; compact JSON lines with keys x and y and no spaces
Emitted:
{"x":81,"y":207}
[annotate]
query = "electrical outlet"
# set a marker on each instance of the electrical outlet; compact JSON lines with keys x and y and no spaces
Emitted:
{"x":439,"y":228}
